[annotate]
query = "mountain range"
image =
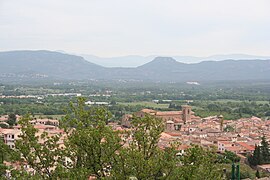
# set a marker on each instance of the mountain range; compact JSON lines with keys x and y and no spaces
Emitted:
{"x":50,"y":65}
{"x":135,"y":60}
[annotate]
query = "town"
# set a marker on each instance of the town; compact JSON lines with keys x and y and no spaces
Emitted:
{"x":237,"y":136}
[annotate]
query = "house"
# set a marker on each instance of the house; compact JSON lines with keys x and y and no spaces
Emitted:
{"x":10,"y":136}
{"x":246,"y":148}
{"x":224,"y":145}
{"x":45,"y":122}
{"x":173,"y":120}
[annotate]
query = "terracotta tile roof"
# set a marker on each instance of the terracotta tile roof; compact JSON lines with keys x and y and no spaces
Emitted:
{"x":165,"y":135}
{"x":226,"y":142}
{"x":183,"y":147}
{"x":246,"y":146}
{"x":173,"y":134}
{"x":168,"y":113}
{"x":233,"y":148}
{"x":148,"y":111}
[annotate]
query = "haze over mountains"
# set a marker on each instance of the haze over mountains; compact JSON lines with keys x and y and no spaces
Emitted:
{"x":135,"y":60}
{"x":49,"y":65}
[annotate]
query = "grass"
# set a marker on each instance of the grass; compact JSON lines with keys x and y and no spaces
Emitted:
{"x":232,"y":100}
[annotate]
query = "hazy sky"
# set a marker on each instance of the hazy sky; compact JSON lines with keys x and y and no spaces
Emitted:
{"x":141,"y":27}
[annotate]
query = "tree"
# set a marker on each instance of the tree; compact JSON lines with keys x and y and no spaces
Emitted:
{"x":40,"y":151}
{"x":92,"y":146}
{"x":4,"y":125}
{"x":143,"y":158}
{"x":4,"y":149}
{"x":228,"y":157}
{"x":255,"y":158}
{"x":258,"y":174}
{"x":229,"y":128}
{"x":231,"y":156}
{"x":265,"y":154}
{"x":199,"y":163}
{"x":261,"y":154}
{"x":11,"y":119}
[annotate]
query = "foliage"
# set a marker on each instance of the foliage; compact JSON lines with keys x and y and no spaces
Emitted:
{"x":245,"y":171}
{"x":3,"y":156}
{"x":265,"y":154}
{"x":40,"y":151}
{"x":11,"y":119}
{"x":94,"y":148}
{"x":199,"y":163}
{"x":229,"y":128}
{"x":261,"y":154}
{"x":228,"y":157}
{"x":4,"y":125}
{"x":143,"y":158}
{"x":257,"y":174}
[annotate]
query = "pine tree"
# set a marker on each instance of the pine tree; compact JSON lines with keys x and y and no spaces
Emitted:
{"x":265,"y":154}
{"x":255,"y":158}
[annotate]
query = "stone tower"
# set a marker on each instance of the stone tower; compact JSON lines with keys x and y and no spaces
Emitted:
{"x":186,"y":113}
{"x":221,"y":121}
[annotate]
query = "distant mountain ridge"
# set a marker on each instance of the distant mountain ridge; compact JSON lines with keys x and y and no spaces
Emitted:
{"x":135,"y":61}
{"x":51,"y":64}
{"x":20,"y":65}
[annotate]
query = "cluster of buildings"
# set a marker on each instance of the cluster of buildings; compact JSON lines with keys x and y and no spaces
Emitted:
{"x":10,"y":135}
{"x":238,"y":136}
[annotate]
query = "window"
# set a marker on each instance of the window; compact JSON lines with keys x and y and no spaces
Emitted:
{"x":12,"y":136}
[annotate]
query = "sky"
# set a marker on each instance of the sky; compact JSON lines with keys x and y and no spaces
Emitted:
{"x":137,"y":27}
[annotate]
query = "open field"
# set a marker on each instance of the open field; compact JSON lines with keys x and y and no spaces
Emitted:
{"x":145,"y":104}
{"x":232,"y":100}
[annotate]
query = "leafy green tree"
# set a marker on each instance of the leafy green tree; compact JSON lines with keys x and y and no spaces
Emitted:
{"x":267,"y":113}
{"x":229,"y":128}
{"x":199,"y":163}
{"x":3,"y":125}
{"x":40,"y":151}
{"x":143,"y":158}
{"x":4,"y":149}
{"x":228,"y":157}
{"x":92,"y":146}
{"x":12,"y":119}
{"x":80,"y":116}
{"x":231,"y":156}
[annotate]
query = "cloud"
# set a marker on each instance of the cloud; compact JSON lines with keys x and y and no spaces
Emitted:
{"x":121,"y":27}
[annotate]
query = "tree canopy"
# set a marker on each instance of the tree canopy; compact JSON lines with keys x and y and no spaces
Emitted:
{"x":92,"y":148}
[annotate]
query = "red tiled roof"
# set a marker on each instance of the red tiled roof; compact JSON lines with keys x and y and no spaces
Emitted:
{"x":168,"y":113}
{"x":246,"y":146}
{"x":174,"y":134}
{"x":233,"y":148}
{"x":182,"y":147}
